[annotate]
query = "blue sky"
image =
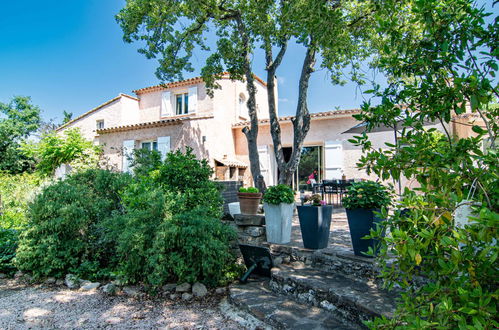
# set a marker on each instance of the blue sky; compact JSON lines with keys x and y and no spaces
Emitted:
{"x":69,"y":55}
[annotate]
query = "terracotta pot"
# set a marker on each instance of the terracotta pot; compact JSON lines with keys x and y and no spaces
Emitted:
{"x":249,"y":202}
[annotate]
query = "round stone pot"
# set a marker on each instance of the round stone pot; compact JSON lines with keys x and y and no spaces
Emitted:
{"x":249,"y":202}
{"x":315,"y":222}
{"x":278,"y":222}
{"x":360,"y":222}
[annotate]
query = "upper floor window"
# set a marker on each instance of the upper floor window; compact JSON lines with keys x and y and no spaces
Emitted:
{"x":182,"y":104}
{"x":100,"y":124}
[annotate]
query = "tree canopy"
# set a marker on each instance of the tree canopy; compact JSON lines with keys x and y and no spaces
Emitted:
{"x":21,"y":118}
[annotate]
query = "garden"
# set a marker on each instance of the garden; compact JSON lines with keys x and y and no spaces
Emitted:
{"x":159,"y":225}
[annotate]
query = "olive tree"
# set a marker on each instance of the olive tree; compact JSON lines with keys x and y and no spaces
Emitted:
{"x":173,"y":30}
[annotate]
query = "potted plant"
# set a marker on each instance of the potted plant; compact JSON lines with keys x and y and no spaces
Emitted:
{"x":249,"y":200}
{"x":279,"y":204}
{"x":362,"y":202}
{"x":315,"y":221}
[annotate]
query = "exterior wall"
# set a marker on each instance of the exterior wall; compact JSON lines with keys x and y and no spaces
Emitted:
{"x":321,"y":130}
{"x":150,"y":103}
{"x":122,"y":111}
{"x":188,"y":133}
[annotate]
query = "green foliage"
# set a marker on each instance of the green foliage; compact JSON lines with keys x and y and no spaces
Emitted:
{"x":188,"y":182}
{"x":67,"y":117}
{"x":16,"y":191}
{"x":439,"y":57}
{"x":64,"y":231}
{"x":251,"y":190}
{"x":144,"y":161}
{"x":367,"y":195}
{"x":71,"y":148}
{"x":192,"y":247}
{"x":8,"y":245}
{"x":21,"y":119}
{"x":160,"y":225}
{"x":281,"y":193}
{"x":458,"y":265}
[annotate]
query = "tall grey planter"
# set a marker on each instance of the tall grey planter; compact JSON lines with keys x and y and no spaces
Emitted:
{"x":278,"y":220}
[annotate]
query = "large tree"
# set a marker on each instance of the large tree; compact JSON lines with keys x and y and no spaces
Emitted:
{"x":21,"y":118}
{"x":172,"y":30}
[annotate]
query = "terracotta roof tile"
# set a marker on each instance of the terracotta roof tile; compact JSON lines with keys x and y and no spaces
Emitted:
{"x":158,"y":123}
{"x":186,"y":82}
{"x":97,"y":108}
{"x":316,"y":115}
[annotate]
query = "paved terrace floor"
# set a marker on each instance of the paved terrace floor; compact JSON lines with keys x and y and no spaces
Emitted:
{"x":339,"y":235}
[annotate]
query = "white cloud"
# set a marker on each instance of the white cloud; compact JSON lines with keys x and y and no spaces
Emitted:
{"x":281,"y":80}
{"x":284,"y":100}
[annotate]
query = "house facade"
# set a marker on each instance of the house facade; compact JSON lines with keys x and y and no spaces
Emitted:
{"x":182,"y":114}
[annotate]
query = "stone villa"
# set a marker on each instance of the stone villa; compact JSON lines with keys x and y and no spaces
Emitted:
{"x":180,"y":114}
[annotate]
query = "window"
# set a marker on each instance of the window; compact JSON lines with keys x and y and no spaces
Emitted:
{"x":149,"y":145}
{"x":243,"y":109}
{"x":182,"y":104}
{"x":100,"y":124}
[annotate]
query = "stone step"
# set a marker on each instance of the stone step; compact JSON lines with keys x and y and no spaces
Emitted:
{"x":279,"y":311}
{"x":354,"y":300}
{"x":337,"y":259}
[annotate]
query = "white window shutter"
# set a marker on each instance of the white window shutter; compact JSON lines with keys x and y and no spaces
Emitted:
{"x":163,"y":146}
{"x":193,"y":99}
{"x":333,"y":159}
{"x":166,"y":104}
{"x":263,"y":155}
{"x":128,"y":146}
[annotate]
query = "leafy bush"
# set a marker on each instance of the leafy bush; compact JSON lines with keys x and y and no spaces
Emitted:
{"x":16,"y":191}
{"x":281,"y":193}
{"x":185,"y":178}
{"x":251,"y":190}
{"x":192,"y":247}
{"x":64,"y":231}
{"x":8,"y":245}
{"x":459,"y":266}
{"x":366,"y":195}
{"x":71,"y":148}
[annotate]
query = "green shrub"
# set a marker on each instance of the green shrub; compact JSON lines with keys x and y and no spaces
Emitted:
{"x":188,"y":182}
{"x":366,"y":195}
{"x":71,"y":148}
{"x":64,"y":226}
{"x":16,"y":191}
{"x":251,"y":190}
{"x":8,"y":245}
{"x":281,"y":193}
{"x":459,"y":265}
{"x":134,"y":231}
{"x":192,"y":247}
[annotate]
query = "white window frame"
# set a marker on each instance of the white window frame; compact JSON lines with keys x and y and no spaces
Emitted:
{"x":185,"y":105}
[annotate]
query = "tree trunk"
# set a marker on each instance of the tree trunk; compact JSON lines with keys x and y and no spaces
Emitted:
{"x":301,"y":122}
{"x":251,"y":132}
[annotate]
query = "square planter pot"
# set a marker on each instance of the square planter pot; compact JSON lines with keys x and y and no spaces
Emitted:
{"x":360,"y":222}
{"x":278,"y":219}
{"x":315,"y":223}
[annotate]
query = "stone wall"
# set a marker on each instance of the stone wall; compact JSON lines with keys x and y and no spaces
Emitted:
{"x":229,"y":192}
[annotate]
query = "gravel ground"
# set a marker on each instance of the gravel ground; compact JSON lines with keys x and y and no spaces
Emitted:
{"x":38,"y":306}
